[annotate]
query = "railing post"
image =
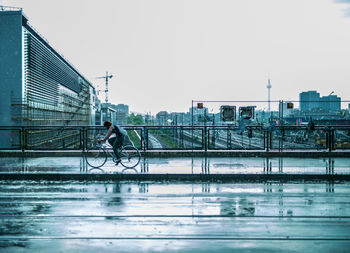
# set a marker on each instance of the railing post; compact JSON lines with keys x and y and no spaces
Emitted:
{"x":330,"y":142}
{"x":205,"y":139}
{"x":83,"y":141}
{"x":229,"y":139}
{"x":331,"y":139}
{"x":268,"y":140}
{"x":264,"y":141}
{"x":80,"y":139}
{"x":280,"y":142}
{"x":181,"y":137}
{"x":22,"y":139}
{"x":144,"y":140}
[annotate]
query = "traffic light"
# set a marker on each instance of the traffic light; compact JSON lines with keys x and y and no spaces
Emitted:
{"x":199,"y":105}
{"x":290,"y":105}
{"x":227,"y":113}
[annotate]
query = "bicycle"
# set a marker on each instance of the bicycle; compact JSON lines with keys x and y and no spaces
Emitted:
{"x":96,"y":156}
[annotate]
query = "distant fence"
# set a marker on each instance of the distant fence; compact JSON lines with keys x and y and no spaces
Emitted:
{"x":182,"y":137}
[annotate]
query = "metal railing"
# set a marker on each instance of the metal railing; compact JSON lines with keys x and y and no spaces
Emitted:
{"x":182,"y":137}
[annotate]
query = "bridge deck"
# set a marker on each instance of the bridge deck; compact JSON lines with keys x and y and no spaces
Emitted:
{"x":134,"y":211}
{"x":174,"y":217}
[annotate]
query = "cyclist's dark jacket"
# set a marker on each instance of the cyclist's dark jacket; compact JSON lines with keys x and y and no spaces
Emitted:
{"x":118,"y":131}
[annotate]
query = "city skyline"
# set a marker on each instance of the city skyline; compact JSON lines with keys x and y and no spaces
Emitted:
{"x":165,"y":54}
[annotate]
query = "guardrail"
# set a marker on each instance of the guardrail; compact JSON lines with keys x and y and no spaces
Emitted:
{"x":182,"y":137}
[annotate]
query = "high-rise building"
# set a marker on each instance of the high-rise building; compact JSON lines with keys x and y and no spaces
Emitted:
{"x":309,"y":100}
{"x":39,"y":87}
{"x":330,"y":103}
{"x":120,"y":112}
{"x":108,"y":113}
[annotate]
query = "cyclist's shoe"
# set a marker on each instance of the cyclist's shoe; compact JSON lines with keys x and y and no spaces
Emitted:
{"x":117,"y":162}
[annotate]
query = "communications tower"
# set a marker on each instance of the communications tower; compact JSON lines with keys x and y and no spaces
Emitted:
{"x":268,"y":94}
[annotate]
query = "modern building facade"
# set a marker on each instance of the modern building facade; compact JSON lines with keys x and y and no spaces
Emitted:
{"x":330,"y":103}
{"x":122,"y":113}
{"x":117,"y":114}
{"x":39,"y":87}
{"x":311,"y":101}
{"x":108,"y":113}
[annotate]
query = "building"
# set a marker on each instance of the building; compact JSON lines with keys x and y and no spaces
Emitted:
{"x":98,"y":111}
{"x":39,"y":87}
{"x":162,"y":117}
{"x":122,"y":113}
{"x":309,"y":100}
{"x":200,"y":115}
{"x":288,"y":108}
{"x":117,"y":114}
{"x":331,"y":103}
{"x":178,"y":118}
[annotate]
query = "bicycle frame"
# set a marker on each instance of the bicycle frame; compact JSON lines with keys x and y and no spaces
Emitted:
{"x":109,"y":149}
{"x":127,"y":158}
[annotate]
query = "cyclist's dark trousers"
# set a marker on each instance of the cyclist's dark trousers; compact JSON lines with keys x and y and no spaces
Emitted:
{"x":116,"y":143}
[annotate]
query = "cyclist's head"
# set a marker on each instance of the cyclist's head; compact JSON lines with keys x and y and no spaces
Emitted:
{"x":107,"y":124}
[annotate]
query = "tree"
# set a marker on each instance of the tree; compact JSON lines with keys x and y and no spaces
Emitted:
{"x":135,"y":119}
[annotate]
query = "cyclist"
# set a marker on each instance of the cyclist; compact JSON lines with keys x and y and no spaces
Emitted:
{"x":117,"y":141}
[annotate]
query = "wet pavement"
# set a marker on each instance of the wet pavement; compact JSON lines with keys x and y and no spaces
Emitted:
{"x":186,"y":165}
{"x":175,"y":216}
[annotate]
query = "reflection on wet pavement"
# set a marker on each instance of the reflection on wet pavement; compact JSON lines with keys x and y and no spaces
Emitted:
{"x":173,"y":217}
{"x":235,"y":165}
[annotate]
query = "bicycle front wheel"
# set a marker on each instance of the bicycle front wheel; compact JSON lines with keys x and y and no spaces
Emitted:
{"x":96,"y":157}
{"x":130,"y":156}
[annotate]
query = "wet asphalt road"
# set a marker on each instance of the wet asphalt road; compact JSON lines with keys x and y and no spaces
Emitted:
{"x":160,"y":216}
{"x":186,"y":165}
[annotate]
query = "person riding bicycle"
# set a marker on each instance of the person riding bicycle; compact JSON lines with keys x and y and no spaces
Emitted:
{"x":117,"y":141}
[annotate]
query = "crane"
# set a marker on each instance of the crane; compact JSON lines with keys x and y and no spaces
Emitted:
{"x":106,"y":77}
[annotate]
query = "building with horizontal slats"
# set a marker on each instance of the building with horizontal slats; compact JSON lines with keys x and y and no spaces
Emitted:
{"x":39,"y":87}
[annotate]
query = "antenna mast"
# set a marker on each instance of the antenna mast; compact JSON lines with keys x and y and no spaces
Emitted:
{"x":268,"y":94}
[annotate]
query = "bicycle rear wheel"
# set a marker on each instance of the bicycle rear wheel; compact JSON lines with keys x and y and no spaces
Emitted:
{"x":130,"y":156}
{"x":96,"y":157}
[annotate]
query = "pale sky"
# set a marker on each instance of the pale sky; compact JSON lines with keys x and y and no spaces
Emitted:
{"x":166,"y":53}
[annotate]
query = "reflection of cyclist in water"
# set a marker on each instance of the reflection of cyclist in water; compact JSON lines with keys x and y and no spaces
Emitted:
{"x":117,"y":141}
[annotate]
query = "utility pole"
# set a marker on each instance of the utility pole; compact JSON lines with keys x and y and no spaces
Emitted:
{"x":106,"y":77}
